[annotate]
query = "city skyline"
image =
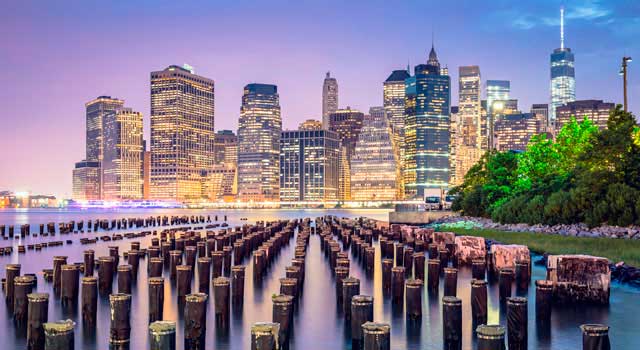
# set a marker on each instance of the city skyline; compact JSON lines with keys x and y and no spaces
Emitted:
{"x":63,"y":83}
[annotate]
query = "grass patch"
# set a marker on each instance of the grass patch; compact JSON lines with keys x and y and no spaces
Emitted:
{"x":614,"y":249}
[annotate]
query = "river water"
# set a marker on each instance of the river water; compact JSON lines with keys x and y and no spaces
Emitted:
{"x":317,"y":322}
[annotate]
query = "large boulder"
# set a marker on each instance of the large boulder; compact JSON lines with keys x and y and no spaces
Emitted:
{"x":579,"y":278}
{"x":469,"y":248}
{"x":443,"y":238}
{"x":505,"y":256}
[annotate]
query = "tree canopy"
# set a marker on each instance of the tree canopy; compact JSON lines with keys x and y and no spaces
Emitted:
{"x":583,"y":175}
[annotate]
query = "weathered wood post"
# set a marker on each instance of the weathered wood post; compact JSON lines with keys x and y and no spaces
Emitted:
{"x":452,"y":323}
{"x":120,"y":329}
{"x":38,"y":314}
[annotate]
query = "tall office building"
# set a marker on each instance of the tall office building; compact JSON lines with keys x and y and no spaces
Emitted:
{"x":374,"y":171}
{"x":122,"y":163}
{"x":427,"y":123}
{"x":347,"y":124}
{"x":329,"y":98}
{"x":596,"y":110}
{"x":97,"y":109}
{"x":309,"y":161}
{"x":563,"y":77}
{"x":473,"y":128}
{"x":259,"y":131}
{"x":497,"y":90}
{"x":86,"y":181}
{"x":513,"y":131}
{"x":182,"y":134}
{"x":226,"y":147}
{"x":393,"y":101}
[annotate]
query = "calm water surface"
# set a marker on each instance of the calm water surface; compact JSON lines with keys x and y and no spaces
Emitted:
{"x":318,"y":324}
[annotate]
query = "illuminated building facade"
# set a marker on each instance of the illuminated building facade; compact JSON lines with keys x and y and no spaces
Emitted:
{"x":309,"y":165}
{"x":329,"y":98}
{"x":311,"y":124}
{"x":393,"y":102}
{"x":596,"y":110}
{"x":374,"y":171}
{"x":96,"y":110}
{"x":513,"y":131}
{"x":427,"y":123}
{"x":220,"y":183}
{"x":146,"y":173}
{"x":123,"y":155}
{"x":563,"y":77}
{"x":347,"y":123}
{"x":182,"y":134}
{"x":473,"y":129}
{"x":497,"y":90}
{"x":86,"y":181}
{"x":226,"y":147}
{"x":259,"y":131}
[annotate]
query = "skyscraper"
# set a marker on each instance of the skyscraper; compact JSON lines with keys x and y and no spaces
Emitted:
{"x":259,"y":131}
{"x":309,"y":164}
{"x":226,"y":147}
{"x":182,"y":134}
{"x":497,"y":90}
{"x":329,"y":99}
{"x":86,"y":181}
{"x":347,"y":124}
{"x":96,"y":111}
{"x":393,"y":100}
{"x":472,"y":126}
{"x":427,"y":122}
{"x":563,"y":81}
{"x":374,"y":171}
{"x":123,"y":155}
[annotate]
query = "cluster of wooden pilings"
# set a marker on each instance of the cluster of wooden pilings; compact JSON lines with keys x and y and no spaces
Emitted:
{"x":407,"y":263}
{"x":215,"y":261}
{"x":175,"y":256}
{"x":99,"y":226}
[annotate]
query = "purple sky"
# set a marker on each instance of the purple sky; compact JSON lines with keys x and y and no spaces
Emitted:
{"x":55,"y":58}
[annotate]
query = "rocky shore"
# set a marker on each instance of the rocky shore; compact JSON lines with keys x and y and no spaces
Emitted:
{"x":574,"y":230}
{"x":620,"y":271}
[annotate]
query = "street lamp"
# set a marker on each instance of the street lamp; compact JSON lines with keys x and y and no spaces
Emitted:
{"x":623,"y":72}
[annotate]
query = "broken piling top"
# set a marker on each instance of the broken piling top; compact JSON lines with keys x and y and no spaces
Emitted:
{"x":282,"y":299}
{"x":58,"y":328}
{"x":492,"y":331}
{"x":595,"y":329}
{"x":469,"y":248}
{"x":162,"y":327}
{"x":38,"y":297}
{"x":362,"y":300}
{"x":196,"y":298}
{"x":265,"y":329}
{"x":376,"y":328}
{"x":505,"y":256}
{"x":221,"y":281}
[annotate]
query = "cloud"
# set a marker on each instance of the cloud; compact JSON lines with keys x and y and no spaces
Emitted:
{"x":592,"y":10}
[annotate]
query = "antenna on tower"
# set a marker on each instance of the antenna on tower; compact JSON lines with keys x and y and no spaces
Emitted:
{"x":561,"y":27}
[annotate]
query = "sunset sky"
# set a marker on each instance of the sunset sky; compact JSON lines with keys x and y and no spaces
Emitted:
{"x":57,"y":55}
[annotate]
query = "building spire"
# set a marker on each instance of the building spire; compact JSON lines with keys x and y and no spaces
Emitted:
{"x":561,"y":27}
